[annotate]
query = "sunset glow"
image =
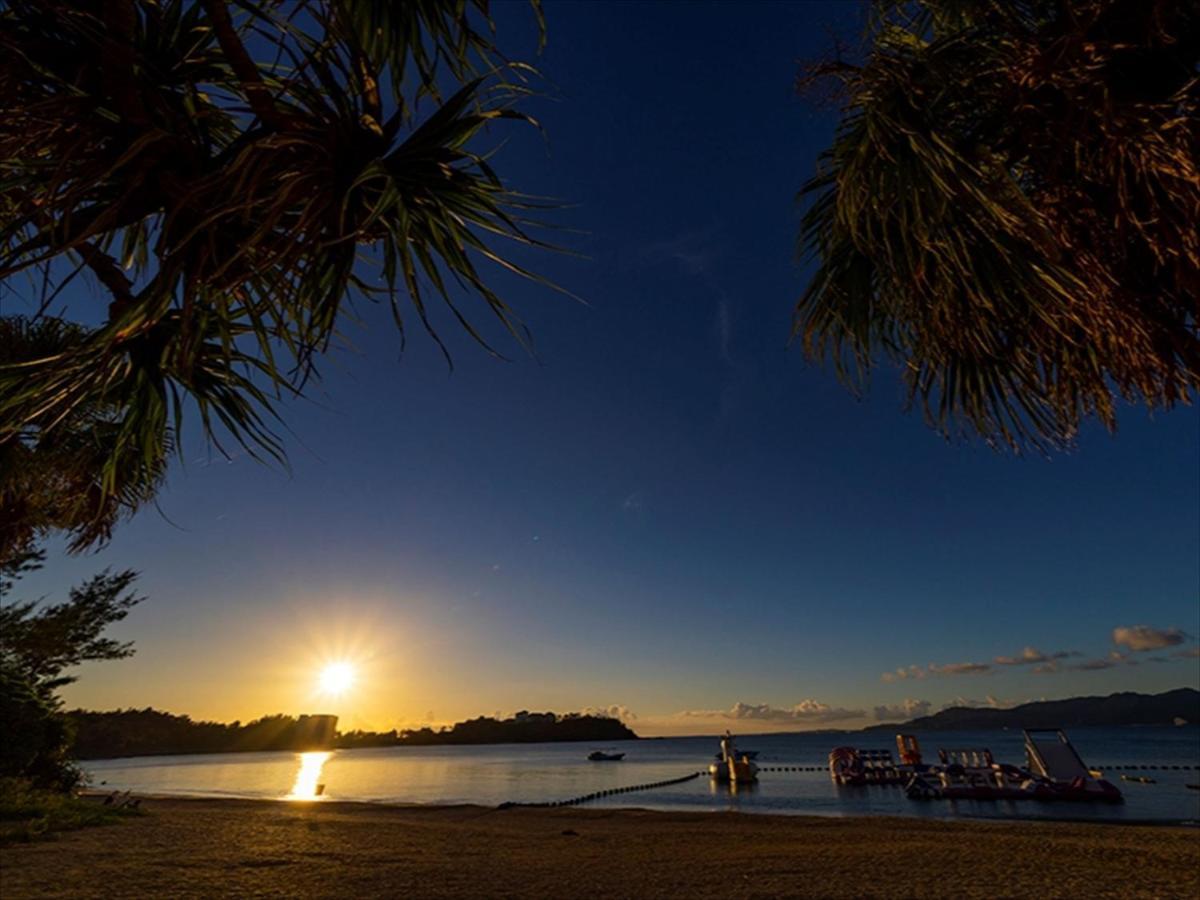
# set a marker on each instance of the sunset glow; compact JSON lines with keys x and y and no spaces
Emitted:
{"x":336,"y":678}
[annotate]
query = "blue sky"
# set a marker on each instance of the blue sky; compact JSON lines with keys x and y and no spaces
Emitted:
{"x":669,"y":510}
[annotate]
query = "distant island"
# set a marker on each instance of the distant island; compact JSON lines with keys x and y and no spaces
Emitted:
{"x":522,"y":728}
{"x":1116,"y":709}
{"x":151,"y":732}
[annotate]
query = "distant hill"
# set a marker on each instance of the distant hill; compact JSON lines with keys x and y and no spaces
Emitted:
{"x":1116,"y":709}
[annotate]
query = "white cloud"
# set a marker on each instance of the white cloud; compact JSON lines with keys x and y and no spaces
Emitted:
{"x":989,"y":702}
{"x":804,"y":711}
{"x":909,"y":709}
{"x":615,"y":711}
{"x":1143,"y":637}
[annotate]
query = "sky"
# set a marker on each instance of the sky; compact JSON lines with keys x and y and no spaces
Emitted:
{"x":668,"y":513}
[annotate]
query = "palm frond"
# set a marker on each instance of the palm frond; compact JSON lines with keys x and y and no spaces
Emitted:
{"x":231,"y":203}
{"x":1003,"y":217}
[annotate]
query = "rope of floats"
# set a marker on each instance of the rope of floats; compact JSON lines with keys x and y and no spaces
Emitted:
{"x":1162,"y":768}
{"x":1134,"y":768}
{"x":611,"y":792}
{"x":691,"y":776}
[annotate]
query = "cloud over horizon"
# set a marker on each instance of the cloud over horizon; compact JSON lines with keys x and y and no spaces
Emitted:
{"x":804,"y":711}
{"x":963,"y":668}
{"x":989,"y":702}
{"x":1032,"y":655}
{"x":1142,"y":637}
{"x":917,"y":672}
{"x":1135,"y":638}
{"x":909,"y":709}
{"x":614,"y":711}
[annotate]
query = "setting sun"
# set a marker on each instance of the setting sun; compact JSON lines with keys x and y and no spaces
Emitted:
{"x":336,"y":678}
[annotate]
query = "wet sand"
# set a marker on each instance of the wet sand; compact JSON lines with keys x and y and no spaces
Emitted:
{"x":243,"y":848}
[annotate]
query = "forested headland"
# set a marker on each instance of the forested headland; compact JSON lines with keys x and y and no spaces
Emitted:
{"x":151,"y":732}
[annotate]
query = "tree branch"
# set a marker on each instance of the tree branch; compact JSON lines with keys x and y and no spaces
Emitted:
{"x":258,"y":95}
{"x":110,"y":276}
{"x":120,"y":83}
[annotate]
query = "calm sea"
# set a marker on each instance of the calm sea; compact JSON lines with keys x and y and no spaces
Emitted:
{"x":540,"y":772}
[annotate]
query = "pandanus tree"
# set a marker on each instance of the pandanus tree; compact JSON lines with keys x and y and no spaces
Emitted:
{"x":1010,"y":210}
{"x":230,"y":174}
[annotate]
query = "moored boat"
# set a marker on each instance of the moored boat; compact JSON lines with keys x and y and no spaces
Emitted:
{"x":732,"y":767}
{"x":601,"y":756}
{"x":1054,"y":771}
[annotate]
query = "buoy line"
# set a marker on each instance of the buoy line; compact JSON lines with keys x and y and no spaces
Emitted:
{"x":610,"y":792}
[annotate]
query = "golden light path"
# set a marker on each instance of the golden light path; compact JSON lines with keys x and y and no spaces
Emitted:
{"x":308,"y":780}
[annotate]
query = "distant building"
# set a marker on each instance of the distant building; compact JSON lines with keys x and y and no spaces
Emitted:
{"x":316,"y":732}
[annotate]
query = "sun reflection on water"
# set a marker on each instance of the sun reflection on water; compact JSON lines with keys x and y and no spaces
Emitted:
{"x":307,"y":785}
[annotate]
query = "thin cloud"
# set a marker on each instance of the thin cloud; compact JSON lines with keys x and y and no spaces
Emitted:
{"x":804,"y":711}
{"x":1142,"y":637}
{"x":1032,"y":656}
{"x":989,"y":702}
{"x":903,"y":674}
{"x":692,"y":250}
{"x":963,"y":668}
{"x":909,"y":709}
{"x":1094,"y":665}
{"x":1135,"y":638}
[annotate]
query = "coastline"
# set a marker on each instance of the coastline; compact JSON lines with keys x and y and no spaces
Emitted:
{"x":185,"y":847}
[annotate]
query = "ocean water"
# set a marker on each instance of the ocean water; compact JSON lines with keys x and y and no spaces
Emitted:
{"x":494,"y":774}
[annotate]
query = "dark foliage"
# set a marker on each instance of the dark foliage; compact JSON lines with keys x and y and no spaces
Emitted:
{"x":230,"y":176}
{"x":36,"y":736}
{"x":37,"y":644}
{"x":1009,"y":212}
{"x":148,"y":732}
{"x":42,"y":640}
{"x":523,"y":728}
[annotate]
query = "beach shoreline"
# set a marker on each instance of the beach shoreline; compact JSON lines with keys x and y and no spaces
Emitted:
{"x":192,"y":847}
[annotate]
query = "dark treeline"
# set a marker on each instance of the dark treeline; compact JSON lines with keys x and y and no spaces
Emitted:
{"x":522,"y":728}
{"x":149,"y":732}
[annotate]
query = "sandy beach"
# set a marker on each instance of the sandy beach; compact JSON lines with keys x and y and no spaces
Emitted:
{"x":207,"y":848}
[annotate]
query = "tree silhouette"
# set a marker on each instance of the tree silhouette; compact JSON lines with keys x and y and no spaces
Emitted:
{"x":1009,"y":212}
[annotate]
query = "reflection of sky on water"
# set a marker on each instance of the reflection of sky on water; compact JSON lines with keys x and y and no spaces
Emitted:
{"x":307,"y":785}
{"x":532,"y":772}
